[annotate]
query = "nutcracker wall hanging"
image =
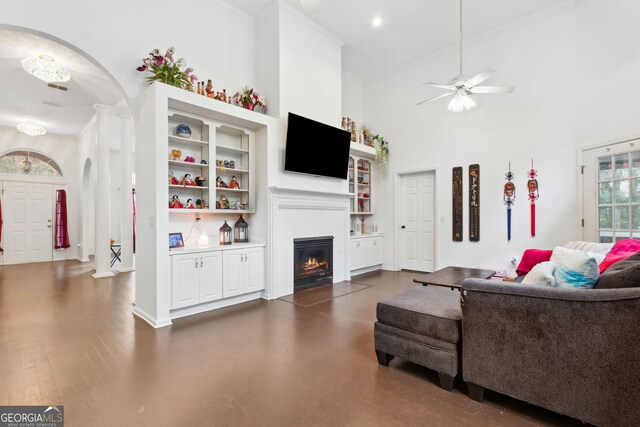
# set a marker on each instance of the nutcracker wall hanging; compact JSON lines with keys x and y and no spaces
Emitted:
{"x":509,"y":198}
{"x":532,"y":186}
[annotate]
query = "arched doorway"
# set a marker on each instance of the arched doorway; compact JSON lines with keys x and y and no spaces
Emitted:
{"x":66,"y":110}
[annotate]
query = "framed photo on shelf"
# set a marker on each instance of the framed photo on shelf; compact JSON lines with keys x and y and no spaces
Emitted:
{"x":176,"y":240}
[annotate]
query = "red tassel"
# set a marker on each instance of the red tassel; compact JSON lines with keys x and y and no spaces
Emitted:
{"x":533,"y":220}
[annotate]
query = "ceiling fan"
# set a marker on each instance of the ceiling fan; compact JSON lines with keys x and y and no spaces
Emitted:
{"x":462,"y":87}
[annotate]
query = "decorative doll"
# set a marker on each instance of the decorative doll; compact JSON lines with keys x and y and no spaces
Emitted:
{"x":175,"y":203}
{"x":199,"y":204}
{"x":209,"y":89}
{"x":176,"y":154}
{"x":190,"y":204}
{"x":234,"y":183}
{"x":220,"y":183}
{"x":188,"y":181}
{"x":200,"y":181}
{"x":172,"y":179}
{"x":224,"y":202}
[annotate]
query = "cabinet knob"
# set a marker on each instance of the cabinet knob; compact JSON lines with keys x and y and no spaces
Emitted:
{"x":403,"y":227}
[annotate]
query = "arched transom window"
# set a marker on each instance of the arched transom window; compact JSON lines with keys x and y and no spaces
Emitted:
{"x":25,"y":162}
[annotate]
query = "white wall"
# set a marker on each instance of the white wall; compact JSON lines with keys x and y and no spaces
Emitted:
{"x":352,"y":96}
{"x":536,"y":121}
{"x":63,"y":149}
{"x":607,"y":65}
{"x":215,"y":39}
{"x":310,"y":85}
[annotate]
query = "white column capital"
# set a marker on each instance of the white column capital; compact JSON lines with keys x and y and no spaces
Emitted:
{"x":125,"y":117}
{"x":101,"y":108}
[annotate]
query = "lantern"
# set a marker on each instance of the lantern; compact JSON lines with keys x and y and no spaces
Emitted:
{"x":241,"y":231}
{"x":225,"y":234}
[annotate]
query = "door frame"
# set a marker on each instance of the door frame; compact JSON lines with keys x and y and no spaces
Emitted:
{"x":397,"y":213}
{"x":581,"y":201}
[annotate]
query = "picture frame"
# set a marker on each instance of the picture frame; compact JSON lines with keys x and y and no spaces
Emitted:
{"x":176,"y":240}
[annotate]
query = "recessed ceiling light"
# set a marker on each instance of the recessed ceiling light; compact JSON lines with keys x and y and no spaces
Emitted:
{"x":46,"y":68}
{"x":377,"y":21}
{"x":31,"y":128}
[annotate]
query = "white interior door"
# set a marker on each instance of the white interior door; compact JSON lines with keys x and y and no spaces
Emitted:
{"x":418,"y":221}
{"x":28,"y":222}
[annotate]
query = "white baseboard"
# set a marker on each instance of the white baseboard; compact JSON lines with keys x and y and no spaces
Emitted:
{"x":150,"y":319}
{"x":102,"y":275}
{"x":126,"y":270}
{"x":364,"y":270}
{"x":212,"y":305}
{"x":389,"y":268}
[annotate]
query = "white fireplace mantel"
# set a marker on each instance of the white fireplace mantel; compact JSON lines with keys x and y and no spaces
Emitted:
{"x":296,"y":213}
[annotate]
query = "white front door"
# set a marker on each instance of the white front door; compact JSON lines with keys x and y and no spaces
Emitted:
{"x":418,"y":221}
{"x":28,"y":222}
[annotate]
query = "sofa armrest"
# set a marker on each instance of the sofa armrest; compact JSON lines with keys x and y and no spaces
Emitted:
{"x":575,"y":352}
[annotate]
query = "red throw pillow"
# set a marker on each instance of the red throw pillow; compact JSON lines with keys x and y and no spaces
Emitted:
{"x":622,"y":249}
{"x":531,"y":258}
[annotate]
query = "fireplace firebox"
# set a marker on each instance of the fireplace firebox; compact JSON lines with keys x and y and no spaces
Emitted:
{"x":312,"y":262}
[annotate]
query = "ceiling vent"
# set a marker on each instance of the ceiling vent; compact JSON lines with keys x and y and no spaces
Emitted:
{"x":59,"y":87}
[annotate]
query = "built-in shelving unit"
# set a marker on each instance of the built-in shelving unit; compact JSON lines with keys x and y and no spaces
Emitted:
{"x":172,"y":284}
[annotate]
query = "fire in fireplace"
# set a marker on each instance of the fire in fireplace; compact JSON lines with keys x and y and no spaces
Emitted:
{"x":312,"y":262}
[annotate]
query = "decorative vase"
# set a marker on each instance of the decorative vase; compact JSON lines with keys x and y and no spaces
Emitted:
{"x":183,"y":131}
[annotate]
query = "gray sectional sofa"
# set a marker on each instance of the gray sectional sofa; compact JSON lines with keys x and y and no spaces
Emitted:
{"x":575,"y":352}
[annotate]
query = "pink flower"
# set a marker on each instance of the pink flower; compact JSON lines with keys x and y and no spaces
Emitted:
{"x":193,"y":78}
{"x":188,"y":71}
{"x":142,"y":68}
{"x":250,"y":107}
{"x":158,"y":59}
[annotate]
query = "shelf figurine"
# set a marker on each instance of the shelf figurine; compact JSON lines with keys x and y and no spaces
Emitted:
{"x":224,"y":202}
{"x":175,"y":203}
{"x":209,"y":89}
{"x":200,"y":181}
{"x":189,"y":159}
{"x":188,"y":181}
{"x":220,"y":183}
{"x":234,"y":183}
{"x":172,"y":179}
{"x":190,"y":204}
{"x":176,"y":154}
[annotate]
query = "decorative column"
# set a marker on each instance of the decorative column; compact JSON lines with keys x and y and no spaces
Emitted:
{"x":127,"y":201}
{"x":103,"y":195}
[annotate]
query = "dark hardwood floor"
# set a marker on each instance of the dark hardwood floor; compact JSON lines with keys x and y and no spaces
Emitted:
{"x":66,"y":338}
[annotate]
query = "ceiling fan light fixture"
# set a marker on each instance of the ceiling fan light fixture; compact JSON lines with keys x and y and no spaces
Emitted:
{"x":461,"y":102}
{"x":46,"y":68}
{"x":31,"y":128}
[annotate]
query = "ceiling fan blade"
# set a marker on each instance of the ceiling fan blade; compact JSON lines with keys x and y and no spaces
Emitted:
{"x":437,"y":97}
{"x":492,"y":89}
{"x":476,"y":80}
{"x":439,"y":86}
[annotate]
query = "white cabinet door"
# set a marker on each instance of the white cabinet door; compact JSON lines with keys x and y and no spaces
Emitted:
{"x":374,"y":251}
{"x":210,"y":275}
{"x":358,"y":255}
{"x":232,"y":265}
{"x":184,"y":280}
{"x":253,"y":269}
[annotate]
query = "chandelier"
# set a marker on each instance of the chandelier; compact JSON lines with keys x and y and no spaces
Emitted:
{"x":31,"y":128}
{"x":46,"y":68}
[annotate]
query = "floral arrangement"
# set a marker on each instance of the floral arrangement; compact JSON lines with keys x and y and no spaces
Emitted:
{"x":382,"y":149}
{"x":250,"y":99}
{"x":367,"y":137}
{"x":166,"y":70}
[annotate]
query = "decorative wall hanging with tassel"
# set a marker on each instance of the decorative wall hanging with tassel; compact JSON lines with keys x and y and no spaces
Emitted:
{"x":532,"y":186}
{"x":509,"y":198}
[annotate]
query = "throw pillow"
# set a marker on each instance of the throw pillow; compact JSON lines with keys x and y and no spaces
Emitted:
{"x":531,"y":258}
{"x":622,"y":249}
{"x":598,"y":248}
{"x":577,"y":270}
{"x":623,"y":274}
{"x":542,"y":274}
{"x":560,"y":253}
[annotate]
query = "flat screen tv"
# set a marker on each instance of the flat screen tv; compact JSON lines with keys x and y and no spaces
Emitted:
{"x":316,"y":149}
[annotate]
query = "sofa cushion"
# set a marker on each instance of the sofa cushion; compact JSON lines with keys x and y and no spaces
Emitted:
{"x":531,"y":258}
{"x":598,"y":248}
{"x":622,"y":249}
{"x":427,"y":310}
{"x":560,"y":253}
{"x":623,"y":274}
{"x":577,"y":270}
{"x":542,"y":274}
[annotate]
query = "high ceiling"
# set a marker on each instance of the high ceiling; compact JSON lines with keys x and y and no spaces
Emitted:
{"x":25,"y":97}
{"x":410,"y":30}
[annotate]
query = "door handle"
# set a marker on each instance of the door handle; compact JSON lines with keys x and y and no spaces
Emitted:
{"x":200,"y":262}
{"x":49,"y":226}
{"x":196,"y":262}
{"x":403,"y":227}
